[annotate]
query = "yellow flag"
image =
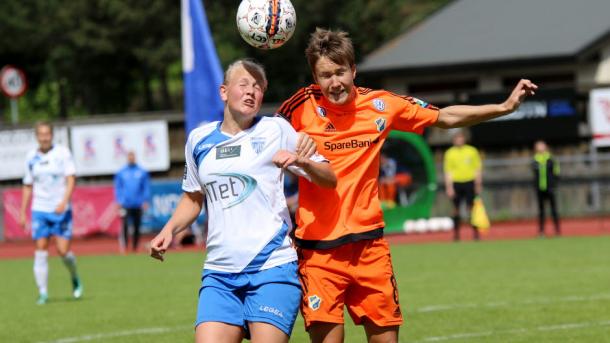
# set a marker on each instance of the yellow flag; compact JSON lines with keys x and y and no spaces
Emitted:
{"x":479,"y":217}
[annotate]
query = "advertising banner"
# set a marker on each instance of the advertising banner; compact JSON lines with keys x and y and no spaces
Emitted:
{"x":93,"y":212}
{"x":101,"y":149}
{"x":15,"y":145}
{"x":164,"y":199}
{"x":599,"y":116}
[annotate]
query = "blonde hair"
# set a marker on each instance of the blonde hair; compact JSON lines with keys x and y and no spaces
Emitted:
{"x":252,"y":67}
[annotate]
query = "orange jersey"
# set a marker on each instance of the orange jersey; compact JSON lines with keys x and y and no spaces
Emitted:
{"x":350,"y":137}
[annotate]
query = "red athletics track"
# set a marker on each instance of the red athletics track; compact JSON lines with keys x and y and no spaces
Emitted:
{"x":499,"y":230}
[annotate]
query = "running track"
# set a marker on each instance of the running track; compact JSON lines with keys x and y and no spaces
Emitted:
{"x":500,"y":230}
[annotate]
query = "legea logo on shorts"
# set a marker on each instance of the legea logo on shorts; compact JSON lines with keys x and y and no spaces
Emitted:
{"x":271,"y":310}
{"x":314,"y":302}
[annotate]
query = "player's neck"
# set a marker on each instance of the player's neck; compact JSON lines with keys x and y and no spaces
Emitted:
{"x":234,"y":126}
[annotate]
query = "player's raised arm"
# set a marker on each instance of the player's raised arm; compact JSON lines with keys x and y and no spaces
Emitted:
{"x":186,"y":213}
{"x":466,"y":115}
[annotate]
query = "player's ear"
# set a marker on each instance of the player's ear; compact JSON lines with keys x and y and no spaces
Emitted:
{"x":353,"y":71}
{"x":223,"y":92}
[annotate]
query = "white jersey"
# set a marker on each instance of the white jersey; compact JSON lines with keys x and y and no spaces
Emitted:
{"x":46,"y":173}
{"x":249,"y":222}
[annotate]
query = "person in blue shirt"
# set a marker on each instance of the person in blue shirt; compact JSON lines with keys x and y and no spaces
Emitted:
{"x":132,"y":192}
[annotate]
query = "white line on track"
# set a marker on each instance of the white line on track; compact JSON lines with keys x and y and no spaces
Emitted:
{"x":98,"y":336}
{"x":572,"y":298}
{"x":557,"y":327}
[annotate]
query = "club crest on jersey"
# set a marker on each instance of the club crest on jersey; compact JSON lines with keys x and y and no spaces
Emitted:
{"x":321,"y":111}
{"x":314,"y":302}
{"x":379,"y":105}
{"x":380,"y":122}
{"x":257,"y":143}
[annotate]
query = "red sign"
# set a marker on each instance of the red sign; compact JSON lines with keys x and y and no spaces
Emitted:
{"x":93,"y":212}
{"x":12,"y":82}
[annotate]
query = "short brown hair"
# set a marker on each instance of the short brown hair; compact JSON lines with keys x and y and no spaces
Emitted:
{"x":334,"y":45}
{"x":41,"y":123}
{"x":254,"y":68}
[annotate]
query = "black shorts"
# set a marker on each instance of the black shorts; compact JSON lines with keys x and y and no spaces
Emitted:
{"x":464,"y":191}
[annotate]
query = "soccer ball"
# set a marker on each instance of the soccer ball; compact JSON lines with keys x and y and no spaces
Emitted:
{"x":266,"y":24}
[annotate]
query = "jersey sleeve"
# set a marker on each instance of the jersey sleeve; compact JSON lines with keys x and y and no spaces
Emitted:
{"x":28,"y":179}
{"x":190,"y":179}
{"x":415,"y":114}
{"x":69,"y":166}
{"x":477,"y":159}
{"x":290,"y":138}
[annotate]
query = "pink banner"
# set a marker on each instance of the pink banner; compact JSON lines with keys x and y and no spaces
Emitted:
{"x":93,"y":210}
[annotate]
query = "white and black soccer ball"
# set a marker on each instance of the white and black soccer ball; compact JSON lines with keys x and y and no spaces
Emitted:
{"x":266,"y":24}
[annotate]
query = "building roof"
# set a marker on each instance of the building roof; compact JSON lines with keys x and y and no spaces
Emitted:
{"x":479,"y":31}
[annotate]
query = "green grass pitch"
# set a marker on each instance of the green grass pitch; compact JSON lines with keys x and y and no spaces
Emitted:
{"x":545,"y":290}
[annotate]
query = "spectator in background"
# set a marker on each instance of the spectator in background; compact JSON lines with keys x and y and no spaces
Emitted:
{"x":463,"y":179}
{"x":50,"y":178}
{"x":546,"y":173}
{"x":132,"y":192}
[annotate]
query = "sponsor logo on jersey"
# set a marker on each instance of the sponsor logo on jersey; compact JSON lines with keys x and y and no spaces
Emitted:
{"x":257,"y":143}
{"x":380,"y":123}
{"x":379,"y":105}
{"x":420,"y":102}
{"x":231,"y":190}
{"x":330,"y":128}
{"x":321,"y":111}
{"x":228,"y":151}
{"x":350,"y":144}
{"x":272,"y":310}
{"x":314,"y":302}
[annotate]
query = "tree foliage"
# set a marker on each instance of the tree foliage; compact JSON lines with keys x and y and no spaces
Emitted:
{"x":101,"y":56}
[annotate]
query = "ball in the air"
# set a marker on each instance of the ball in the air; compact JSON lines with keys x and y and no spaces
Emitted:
{"x":266,"y":24}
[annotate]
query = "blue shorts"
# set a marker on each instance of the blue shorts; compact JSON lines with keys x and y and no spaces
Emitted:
{"x":270,"y":296}
{"x":46,"y":224}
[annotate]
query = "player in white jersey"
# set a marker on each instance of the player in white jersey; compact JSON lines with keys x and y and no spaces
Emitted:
{"x":250,"y":287}
{"x":49,"y":176}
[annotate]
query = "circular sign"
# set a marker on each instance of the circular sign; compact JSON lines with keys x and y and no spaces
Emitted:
{"x":12,"y":82}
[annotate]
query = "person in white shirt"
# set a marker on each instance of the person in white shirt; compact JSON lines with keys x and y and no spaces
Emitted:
{"x":250,"y":287}
{"x":49,"y":181}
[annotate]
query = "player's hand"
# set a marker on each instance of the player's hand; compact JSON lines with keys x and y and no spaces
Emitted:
{"x":284,"y":158}
{"x":450,"y":192}
{"x":306,"y":146}
{"x":159,"y":244}
{"x":523,"y":89}
{"x":22,"y":220}
{"x":60,"y":208}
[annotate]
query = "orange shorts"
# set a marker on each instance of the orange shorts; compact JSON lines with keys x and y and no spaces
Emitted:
{"x":358,"y":275}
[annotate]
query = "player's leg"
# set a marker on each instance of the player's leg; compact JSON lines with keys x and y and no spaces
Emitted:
{"x":124,"y":235}
{"x":137,"y":219}
{"x":469,"y":197}
{"x":541,"y":219}
{"x":457,"y":200}
{"x":272,"y":302}
{"x":212,"y":332}
{"x":325,"y":278}
{"x":372,"y":299}
{"x":554,"y":213}
{"x":63,"y":238}
{"x":320,"y":332}
{"x":40,"y":235}
{"x":220,"y":309}
{"x":380,"y":334}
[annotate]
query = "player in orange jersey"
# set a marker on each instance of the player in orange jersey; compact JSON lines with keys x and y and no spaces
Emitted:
{"x":344,"y":260}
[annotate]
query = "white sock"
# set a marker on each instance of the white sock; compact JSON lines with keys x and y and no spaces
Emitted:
{"x":70,"y":262}
{"x":41,"y":270}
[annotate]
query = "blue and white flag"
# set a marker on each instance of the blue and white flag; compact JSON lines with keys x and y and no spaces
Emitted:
{"x":202,"y":71}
